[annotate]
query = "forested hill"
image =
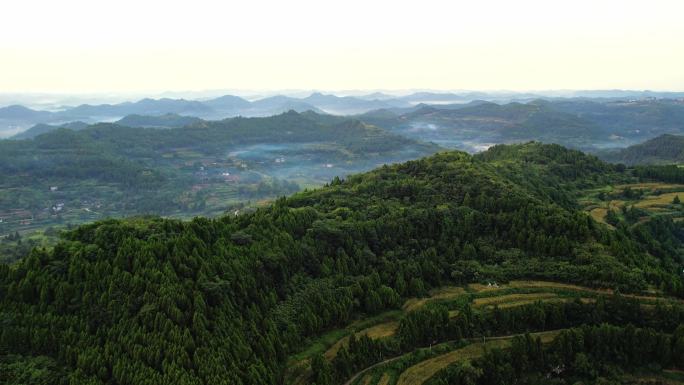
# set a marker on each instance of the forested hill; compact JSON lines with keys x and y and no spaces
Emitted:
{"x":664,"y":149}
{"x":226,"y":301}
{"x":69,"y":176}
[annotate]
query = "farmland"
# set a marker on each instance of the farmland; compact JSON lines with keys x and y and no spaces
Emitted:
{"x":419,"y":373}
{"x":635,"y":202}
{"x":416,"y":367}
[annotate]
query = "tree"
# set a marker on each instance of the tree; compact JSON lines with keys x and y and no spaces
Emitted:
{"x":468,"y":374}
{"x":321,"y":370}
{"x":678,"y":346}
{"x":612,"y":217}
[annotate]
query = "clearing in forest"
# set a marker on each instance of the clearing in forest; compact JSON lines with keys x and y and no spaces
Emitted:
{"x":653,"y":186}
{"x":599,"y":214}
{"x":655,"y":201}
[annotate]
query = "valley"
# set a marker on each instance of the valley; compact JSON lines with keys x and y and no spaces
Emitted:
{"x":64,"y":177}
{"x":244,"y":163}
{"x":599,"y":126}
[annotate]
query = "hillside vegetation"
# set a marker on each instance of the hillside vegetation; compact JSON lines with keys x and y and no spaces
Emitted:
{"x":664,"y":149}
{"x":237,"y":299}
{"x":206,"y":168}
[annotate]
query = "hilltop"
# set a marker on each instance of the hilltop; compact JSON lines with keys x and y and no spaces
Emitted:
{"x":43,"y":128}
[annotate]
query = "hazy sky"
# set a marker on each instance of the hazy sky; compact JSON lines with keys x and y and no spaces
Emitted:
{"x":139,"y":46}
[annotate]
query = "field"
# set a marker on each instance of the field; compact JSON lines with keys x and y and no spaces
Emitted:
{"x":388,"y":328}
{"x":649,"y":199}
{"x":650,"y":186}
{"x":448,"y":292}
{"x":419,"y":373}
{"x":511,"y":300}
{"x":662,"y":200}
{"x":481,"y":296}
{"x":385,"y":379}
{"x":599,"y":214}
{"x":382,"y":330}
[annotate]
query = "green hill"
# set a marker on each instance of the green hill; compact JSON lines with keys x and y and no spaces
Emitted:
{"x":66,"y":176}
{"x":227,"y":300}
{"x":664,"y":149}
{"x":43,"y":128}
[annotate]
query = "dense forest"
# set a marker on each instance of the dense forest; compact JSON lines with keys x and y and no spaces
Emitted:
{"x":229,"y":300}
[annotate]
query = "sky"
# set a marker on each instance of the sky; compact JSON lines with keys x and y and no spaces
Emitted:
{"x":84,"y":46}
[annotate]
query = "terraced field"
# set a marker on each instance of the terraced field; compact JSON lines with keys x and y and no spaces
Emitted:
{"x":480,"y":296}
{"x":655,"y":199}
{"x":385,"y":329}
{"x":421,"y":372}
{"x":512,"y":300}
{"x":385,"y":379}
{"x":599,"y":214}
{"x":650,"y":186}
{"x":658,"y":201}
{"x":445,"y":293}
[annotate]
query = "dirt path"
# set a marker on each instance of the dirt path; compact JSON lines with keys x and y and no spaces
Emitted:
{"x":351,"y":380}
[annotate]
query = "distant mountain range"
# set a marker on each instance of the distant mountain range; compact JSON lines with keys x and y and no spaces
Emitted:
{"x":664,"y":149}
{"x":158,"y":121}
{"x":590,"y":125}
{"x":17,"y":117}
{"x":17,"y":112}
{"x":606,"y":110}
